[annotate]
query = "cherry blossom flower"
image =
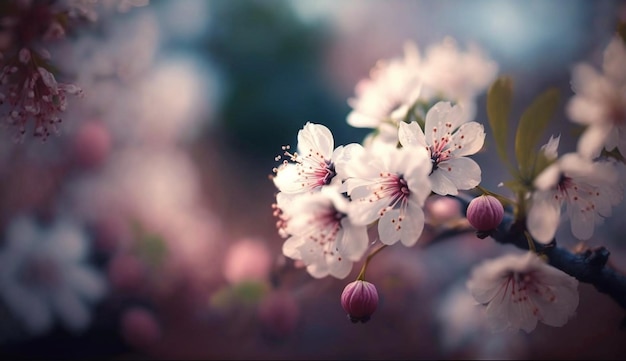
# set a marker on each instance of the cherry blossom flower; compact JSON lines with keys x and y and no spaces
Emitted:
{"x":312,"y":166}
{"x":392,"y":84}
{"x":44,"y":273}
{"x":455,"y":75}
{"x":464,"y":328}
{"x":588,"y":189}
{"x":322,"y":235}
{"x":600,"y":102}
{"x":32,"y":92}
{"x":521,"y":289}
{"x":395,"y":86}
{"x":392,"y":189}
{"x":448,"y":138}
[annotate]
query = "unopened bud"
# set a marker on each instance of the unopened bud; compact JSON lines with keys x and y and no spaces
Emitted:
{"x":359,"y":299}
{"x":485,"y":213}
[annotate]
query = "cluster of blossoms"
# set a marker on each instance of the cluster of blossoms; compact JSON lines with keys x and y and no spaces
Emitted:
{"x":29,"y":91}
{"x":587,"y":181}
{"x":334,"y":204}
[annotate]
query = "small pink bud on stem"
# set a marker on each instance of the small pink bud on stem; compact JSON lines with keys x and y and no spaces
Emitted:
{"x":359,"y":299}
{"x":485,"y":214}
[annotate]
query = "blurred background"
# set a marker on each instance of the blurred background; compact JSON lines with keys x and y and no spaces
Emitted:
{"x":160,"y":178}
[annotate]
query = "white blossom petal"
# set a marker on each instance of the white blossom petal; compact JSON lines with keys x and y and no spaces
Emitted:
{"x":591,"y":142}
{"x":548,"y":178}
{"x":389,"y":230}
{"x":412,"y":229}
{"x":463,"y":173}
{"x":469,"y":139}
{"x":442,"y":185}
{"x":339,"y":267}
{"x":411,"y":134}
{"x":363,"y":211}
{"x":544,"y":216}
{"x":286,"y":179}
{"x":441,"y":118}
{"x":316,"y":137}
{"x":614,"y":63}
{"x":291,"y":247}
{"x":318,"y":270}
{"x":354,"y":242}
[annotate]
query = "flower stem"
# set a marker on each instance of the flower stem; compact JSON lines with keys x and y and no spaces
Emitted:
{"x":500,"y":197}
{"x":531,"y":243}
{"x":520,"y":211}
{"x":361,"y":276}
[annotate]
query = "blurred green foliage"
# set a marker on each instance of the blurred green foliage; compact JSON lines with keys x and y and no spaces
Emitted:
{"x":272,"y":63}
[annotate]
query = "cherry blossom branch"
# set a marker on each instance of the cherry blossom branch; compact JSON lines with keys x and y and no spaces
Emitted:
{"x":588,"y":266}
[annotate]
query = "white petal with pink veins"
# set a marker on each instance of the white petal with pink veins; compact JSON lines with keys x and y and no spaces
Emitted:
{"x":441,"y":119}
{"x":441,"y":184}
{"x":339,"y":267}
{"x":463,"y":173}
{"x":521,"y":290}
{"x":362,"y":210}
{"x":315,"y":138}
{"x":468,"y":139}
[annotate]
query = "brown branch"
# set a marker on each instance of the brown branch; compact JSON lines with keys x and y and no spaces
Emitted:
{"x":587,"y":266}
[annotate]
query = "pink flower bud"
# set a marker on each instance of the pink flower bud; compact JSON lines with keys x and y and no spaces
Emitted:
{"x":485,"y":213}
{"x":360,"y":300}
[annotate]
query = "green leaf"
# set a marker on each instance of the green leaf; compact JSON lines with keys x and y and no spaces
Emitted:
{"x":245,"y":293}
{"x":152,"y":248}
{"x":541,"y":162}
{"x":499,"y":99}
{"x":531,"y":126}
{"x":515,"y":185}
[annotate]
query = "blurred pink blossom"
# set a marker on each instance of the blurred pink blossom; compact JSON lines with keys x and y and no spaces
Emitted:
{"x":247,"y":260}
